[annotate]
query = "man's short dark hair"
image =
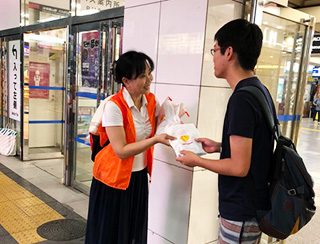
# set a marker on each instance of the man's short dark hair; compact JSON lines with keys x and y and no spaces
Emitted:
{"x":131,"y":65}
{"x":245,"y":38}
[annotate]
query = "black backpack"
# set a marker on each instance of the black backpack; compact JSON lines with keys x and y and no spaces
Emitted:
{"x":291,"y":192}
{"x":95,"y":145}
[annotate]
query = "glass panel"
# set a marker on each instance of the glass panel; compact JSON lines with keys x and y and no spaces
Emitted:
{"x":91,"y":47}
{"x":38,"y":11}
{"x":219,"y":13}
{"x":85,"y":7}
{"x":279,"y":63}
{"x":113,"y":51}
{"x":44,"y":72}
{"x":87,"y":79}
{"x":88,"y":56}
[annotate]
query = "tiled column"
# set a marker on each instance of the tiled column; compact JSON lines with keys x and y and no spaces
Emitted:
{"x":182,"y":201}
{"x":9,"y":14}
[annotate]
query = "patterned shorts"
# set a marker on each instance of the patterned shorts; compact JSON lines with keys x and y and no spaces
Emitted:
{"x":237,"y":232}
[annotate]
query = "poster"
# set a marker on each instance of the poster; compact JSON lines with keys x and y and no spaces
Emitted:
{"x":90,"y":61}
{"x":84,"y":118}
{"x":39,"y":75}
{"x":14,"y":93}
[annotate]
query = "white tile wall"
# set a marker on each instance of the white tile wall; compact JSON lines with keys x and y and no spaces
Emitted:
{"x":166,"y":154}
{"x":181,"y":41}
{"x":203,"y":215}
{"x":154,"y":238}
{"x":188,"y":95}
{"x":153,"y":87}
{"x":219,"y":13}
{"x":10,"y":14}
{"x":213,"y":104}
{"x":169,"y":202}
{"x":141,"y":30}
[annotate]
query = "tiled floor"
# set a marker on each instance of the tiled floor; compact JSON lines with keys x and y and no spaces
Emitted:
{"x":24,"y":207}
{"x":47,"y":176}
{"x":42,"y":181}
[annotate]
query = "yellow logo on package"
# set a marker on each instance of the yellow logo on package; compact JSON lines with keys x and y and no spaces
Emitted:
{"x":184,"y":138}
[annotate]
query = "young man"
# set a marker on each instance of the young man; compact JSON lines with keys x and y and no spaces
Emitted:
{"x":247,"y":142}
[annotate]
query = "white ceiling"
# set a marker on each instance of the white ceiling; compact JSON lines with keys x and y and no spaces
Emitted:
{"x":303,"y":3}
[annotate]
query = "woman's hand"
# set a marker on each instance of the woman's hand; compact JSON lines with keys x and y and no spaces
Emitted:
{"x":164,"y":138}
{"x":208,"y":145}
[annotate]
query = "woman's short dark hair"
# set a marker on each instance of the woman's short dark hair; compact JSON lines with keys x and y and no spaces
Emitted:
{"x":245,"y":38}
{"x":131,"y":65}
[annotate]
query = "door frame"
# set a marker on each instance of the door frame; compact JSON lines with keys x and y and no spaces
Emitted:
{"x":68,"y":22}
{"x":253,"y":12}
{"x":70,"y":109}
{"x":105,"y":80}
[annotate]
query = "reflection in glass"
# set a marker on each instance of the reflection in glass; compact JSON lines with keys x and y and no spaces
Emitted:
{"x":279,"y":62}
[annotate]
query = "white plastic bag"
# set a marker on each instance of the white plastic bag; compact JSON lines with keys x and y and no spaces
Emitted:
{"x":185,"y":134}
{"x":7,"y":142}
{"x":169,"y":114}
{"x":169,"y":122}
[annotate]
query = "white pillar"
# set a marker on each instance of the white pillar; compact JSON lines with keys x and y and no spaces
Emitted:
{"x":183,"y":204}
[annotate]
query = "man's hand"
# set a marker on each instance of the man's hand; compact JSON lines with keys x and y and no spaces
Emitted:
{"x":208,"y":145}
{"x":188,"y":158}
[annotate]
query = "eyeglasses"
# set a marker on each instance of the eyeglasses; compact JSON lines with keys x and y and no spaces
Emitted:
{"x":212,"y":51}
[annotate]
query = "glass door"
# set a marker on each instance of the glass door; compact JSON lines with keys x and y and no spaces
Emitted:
{"x":44,"y":93}
{"x":280,"y":67}
{"x":95,"y":48}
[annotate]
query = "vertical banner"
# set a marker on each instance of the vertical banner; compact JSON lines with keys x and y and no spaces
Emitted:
{"x":39,"y":75}
{"x":4,"y":80}
{"x":90,"y":61}
{"x":14,"y":93}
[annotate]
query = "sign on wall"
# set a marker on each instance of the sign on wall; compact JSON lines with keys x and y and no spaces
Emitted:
{"x":39,"y":75}
{"x":316,"y":71}
{"x":99,"y":4}
{"x":316,"y":44}
{"x":14,"y":93}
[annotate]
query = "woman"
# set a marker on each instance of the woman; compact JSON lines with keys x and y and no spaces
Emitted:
{"x":316,"y":104}
{"x":118,"y":204}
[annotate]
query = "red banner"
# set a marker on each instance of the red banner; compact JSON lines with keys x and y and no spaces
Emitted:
{"x":39,"y":75}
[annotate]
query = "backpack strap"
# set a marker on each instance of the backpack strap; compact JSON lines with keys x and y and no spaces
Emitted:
{"x":271,"y":118}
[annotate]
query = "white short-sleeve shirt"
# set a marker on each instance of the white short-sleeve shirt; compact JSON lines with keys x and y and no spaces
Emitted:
{"x":112,"y":116}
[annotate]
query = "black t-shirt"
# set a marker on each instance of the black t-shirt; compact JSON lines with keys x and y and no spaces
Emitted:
{"x":238,"y":195}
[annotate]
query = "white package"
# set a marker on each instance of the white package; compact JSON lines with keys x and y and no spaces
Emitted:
{"x":169,"y":114}
{"x":185,"y":134}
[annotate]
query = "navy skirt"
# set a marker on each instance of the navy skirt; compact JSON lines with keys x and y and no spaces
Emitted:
{"x":118,"y":216}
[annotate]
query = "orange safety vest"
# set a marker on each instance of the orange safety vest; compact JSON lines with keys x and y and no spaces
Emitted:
{"x":108,"y":168}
